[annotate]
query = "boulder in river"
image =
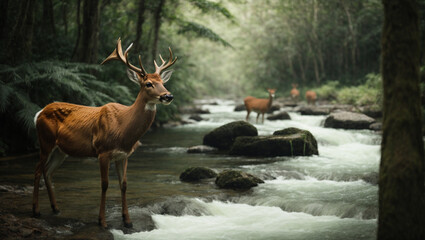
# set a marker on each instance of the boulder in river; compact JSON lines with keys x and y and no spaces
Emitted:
{"x":238,"y":180}
{"x":194,"y":174}
{"x":279,"y":116}
{"x":287,"y":142}
{"x":224,"y":136}
{"x":240,"y":107}
{"x":348,"y":120}
{"x":313,"y":110}
{"x":201,"y":149}
{"x":196,"y":117}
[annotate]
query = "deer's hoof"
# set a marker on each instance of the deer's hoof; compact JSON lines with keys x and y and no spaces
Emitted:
{"x":36,"y":214}
{"x":128,"y":224}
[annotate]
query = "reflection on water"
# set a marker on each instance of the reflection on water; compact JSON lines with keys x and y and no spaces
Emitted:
{"x":318,"y":197}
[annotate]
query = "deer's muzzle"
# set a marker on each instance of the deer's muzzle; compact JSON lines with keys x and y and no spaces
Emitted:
{"x":166,"y":98}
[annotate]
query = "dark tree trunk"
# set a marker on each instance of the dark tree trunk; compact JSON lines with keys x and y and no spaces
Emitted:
{"x":19,"y":46}
{"x":48,"y":18}
{"x":139,"y":27}
{"x":77,"y":41}
{"x":401,"y":174}
{"x":88,"y":40}
{"x":157,"y":26}
{"x":3,"y":18}
{"x":65,"y":16}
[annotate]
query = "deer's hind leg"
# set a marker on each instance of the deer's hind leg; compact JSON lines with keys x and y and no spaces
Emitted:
{"x":45,"y":150}
{"x":54,"y":160}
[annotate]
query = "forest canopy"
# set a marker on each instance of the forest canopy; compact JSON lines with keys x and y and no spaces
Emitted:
{"x":52,"y":50}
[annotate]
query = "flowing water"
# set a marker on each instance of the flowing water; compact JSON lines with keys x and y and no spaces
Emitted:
{"x":329,"y":196}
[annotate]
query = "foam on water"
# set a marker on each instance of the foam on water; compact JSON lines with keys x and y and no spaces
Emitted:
{"x":242,"y":221}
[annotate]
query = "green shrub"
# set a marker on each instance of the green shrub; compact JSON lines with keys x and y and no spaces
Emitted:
{"x":328,"y":91}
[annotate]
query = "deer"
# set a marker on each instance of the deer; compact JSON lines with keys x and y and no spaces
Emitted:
{"x":295,"y":94}
{"x":259,"y":105}
{"x":311,"y":97}
{"x":110,"y":132}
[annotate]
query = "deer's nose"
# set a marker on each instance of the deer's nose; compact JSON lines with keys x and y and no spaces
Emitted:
{"x":166,"y":97}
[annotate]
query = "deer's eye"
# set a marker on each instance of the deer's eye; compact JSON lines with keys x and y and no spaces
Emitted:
{"x":149,"y":84}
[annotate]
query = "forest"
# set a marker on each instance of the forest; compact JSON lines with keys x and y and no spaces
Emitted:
{"x":229,"y":49}
{"x":343,"y":158}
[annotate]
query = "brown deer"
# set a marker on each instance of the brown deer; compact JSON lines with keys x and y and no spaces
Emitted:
{"x":295,"y":94}
{"x":311,"y":97}
{"x":259,"y":105}
{"x":110,"y":132}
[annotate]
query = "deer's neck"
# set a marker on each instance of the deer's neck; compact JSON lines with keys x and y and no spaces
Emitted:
{"x":139,"y":117}
{"x":269,"y":104}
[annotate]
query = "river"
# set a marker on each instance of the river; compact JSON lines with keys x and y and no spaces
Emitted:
{"x":318,"y":197}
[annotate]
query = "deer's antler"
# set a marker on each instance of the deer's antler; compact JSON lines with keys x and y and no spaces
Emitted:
{"x":118,"y":55}
{"x":164,"y":65}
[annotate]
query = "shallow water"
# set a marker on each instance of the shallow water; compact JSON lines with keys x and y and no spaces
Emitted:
{"x":318,"y":197}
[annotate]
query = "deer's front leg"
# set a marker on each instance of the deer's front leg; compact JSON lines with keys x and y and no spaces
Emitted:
{"x":121,"y":166}
{"x":104,"y":160}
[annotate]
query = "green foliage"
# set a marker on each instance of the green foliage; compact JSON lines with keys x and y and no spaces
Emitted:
{"x":327,"y":91}
{"x":26,"y":88}
{"x":200,"y":31}
{"x":368,"y":93}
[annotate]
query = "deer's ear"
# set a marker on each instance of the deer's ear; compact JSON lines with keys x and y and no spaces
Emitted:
{"x":166,"y":75}
{"x":132,"y":75}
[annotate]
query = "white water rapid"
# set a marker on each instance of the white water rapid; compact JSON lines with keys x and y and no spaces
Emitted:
{"x":330,"y":196}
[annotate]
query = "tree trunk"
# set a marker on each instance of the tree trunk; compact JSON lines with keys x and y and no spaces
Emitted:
{"x":65,"y":16}
{"x":3,"y":18}
{"x":48,"y":18}
{"x":88,"y":40}
{"x":157,"y":26}
{"x":19,"y":46}
{"x":77,"y":41}
{"x":401,"y":175}
{"x":139,"y":27}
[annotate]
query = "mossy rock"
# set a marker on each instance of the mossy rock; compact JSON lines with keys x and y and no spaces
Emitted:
{"x":292,"y":130}
{"x":224,"y":136}
{"x":287,"y":142}
{"x":238,"y":180}
{"x":194,"y":174}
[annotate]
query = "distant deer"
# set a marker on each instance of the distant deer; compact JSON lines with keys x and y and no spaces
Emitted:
{"x":311,"y":97}
{"x":260,"y":106}
{"x":295,"y":94}
{"x":110,"y":132}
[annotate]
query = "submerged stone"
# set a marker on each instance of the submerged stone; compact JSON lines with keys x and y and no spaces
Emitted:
{"x":194,"y":174}
{"x":279,"y":116}
{"x":231,"y":179}
{"x":201,"y":149}
{"x":224,"y":136}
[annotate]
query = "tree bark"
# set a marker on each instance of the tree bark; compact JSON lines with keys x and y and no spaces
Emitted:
{"x":88,"y":40}
{"x":401,"y":175}
{"x":48,"y":18}
{"x":139,"y":27}
{"x":19,"y":46}
{"x":3,"y":18}
{"x":157,"y":26}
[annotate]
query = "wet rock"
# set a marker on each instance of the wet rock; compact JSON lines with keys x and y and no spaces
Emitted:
{"x":196,"y":117}
{"x":201,"y":149}
{"x":306,"y":134}
{"x":194,"y":174}
{"x":371,"y":178}
{"x":287,"y":142}
{"x":224,"y":136}
{"x":313,"y":110}
{"x":377,"y":126}
{"x":372,"y":112}
{"x":279,"y":116}
{"x":193,"y":110}
{"x":348,"y":120}
{"x":239,"y":108}
{"x":231,"y":179}
{"x":273,"y":108}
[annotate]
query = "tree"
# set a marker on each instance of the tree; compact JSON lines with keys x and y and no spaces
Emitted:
{"x":401,"y":175}
{"x":87,"y":42}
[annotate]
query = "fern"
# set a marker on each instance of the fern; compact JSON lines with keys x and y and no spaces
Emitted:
{"x":208,"y":6}
{"x":201,"y":31}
